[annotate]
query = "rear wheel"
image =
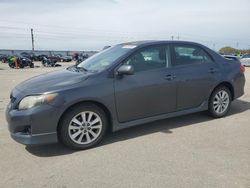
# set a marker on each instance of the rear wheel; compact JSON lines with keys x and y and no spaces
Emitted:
{"x":220,"y":102}
{"x":83,"y":127}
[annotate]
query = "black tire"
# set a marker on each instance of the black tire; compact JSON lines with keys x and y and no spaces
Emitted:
{"x":63,"y":129}
{"x":21,"y":65}
{"x":211,"y":108}
{"x":31,"y":65}
{"x":11,"y":65}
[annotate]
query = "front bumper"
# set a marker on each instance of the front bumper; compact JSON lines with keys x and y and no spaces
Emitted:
{"x":28,"y":139}
{"x":37,"y":125}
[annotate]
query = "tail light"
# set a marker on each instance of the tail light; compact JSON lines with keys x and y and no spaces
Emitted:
{"x":242,"y":69}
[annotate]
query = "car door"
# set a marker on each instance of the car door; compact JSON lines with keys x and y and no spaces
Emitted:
{"x":196,"y":74}
{"x":150,"y":90}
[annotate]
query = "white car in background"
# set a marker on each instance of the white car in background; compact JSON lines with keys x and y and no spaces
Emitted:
{"x":245,"y":60}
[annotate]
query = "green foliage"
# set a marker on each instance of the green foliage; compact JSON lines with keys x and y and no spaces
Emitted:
{"x":227,"y":50}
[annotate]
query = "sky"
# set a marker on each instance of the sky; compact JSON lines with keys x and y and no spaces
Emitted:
{"x":93,"y":24}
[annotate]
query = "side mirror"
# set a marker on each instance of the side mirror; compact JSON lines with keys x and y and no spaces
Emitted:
{"x":125,"y":70}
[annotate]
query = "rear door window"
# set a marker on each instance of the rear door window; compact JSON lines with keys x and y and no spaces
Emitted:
{"x":189,"y":54}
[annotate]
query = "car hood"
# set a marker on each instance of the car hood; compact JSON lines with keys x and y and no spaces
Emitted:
{"x":52,"y":81}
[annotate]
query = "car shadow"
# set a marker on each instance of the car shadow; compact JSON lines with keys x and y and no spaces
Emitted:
{"x":165,"y":126}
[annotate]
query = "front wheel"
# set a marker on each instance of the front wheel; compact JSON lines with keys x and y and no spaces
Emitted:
{"x":83,"y":126}
{"x":220,"y":102}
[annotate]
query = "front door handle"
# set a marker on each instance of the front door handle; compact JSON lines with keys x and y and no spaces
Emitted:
{"x":170,"y":77}
{"x":212,"y":70}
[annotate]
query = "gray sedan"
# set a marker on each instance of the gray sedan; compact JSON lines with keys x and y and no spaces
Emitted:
{"x":123,"y":86}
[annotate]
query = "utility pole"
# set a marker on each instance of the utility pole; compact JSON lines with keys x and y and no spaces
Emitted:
{"x":32,"y":40}
{"x":172,"y":37}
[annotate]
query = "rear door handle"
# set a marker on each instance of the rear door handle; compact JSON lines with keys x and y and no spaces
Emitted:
{"x":170,"y":77}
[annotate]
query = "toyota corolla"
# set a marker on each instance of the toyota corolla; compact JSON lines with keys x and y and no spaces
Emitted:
{"x":123,"y":86}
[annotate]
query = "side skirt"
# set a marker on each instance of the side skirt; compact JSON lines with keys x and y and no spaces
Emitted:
{"x":119,"y":126}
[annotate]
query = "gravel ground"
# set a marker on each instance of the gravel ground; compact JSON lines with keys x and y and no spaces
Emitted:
{"x":189,"y":151}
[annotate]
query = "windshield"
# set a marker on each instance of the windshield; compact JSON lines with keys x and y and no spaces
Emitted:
{"x":246,"y":56}
{"x":104,"y":59}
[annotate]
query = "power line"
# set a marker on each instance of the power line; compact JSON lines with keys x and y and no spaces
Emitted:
{"x":75,"y":31}
{"x":10,"y":27}
{"x":14,"y":32}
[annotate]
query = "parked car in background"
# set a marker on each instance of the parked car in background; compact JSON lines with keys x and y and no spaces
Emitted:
{"x":120,"y":87}
{"x":66,"y":58}
{"x":41,"y":57}
{"x":19,"y":62}
{"x":3,"y":58}
{"x":245,"y":60}
{"x":47,"y":62}
{"x":30,"y":56}
{"x":81,"y":58}
{"x":26,"y":54}
{"x":55,"y":58}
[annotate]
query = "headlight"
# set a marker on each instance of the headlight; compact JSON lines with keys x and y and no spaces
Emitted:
{"x":31,"y":101}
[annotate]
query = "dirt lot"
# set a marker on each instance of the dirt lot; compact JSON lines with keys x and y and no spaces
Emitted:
{"x":189,"y":151}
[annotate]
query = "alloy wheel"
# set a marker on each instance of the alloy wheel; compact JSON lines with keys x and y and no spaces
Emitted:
{"x":85,"y":127}
{"x":221,"y":102}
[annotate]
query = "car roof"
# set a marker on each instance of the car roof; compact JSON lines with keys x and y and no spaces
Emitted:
{"x":151,"y":42}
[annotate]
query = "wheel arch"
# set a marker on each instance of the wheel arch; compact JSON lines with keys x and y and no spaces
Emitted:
{"x":225,"y":84}
{"x":99,"y":104}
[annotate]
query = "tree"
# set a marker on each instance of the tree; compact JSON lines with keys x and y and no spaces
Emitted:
{"x":227,"y":50}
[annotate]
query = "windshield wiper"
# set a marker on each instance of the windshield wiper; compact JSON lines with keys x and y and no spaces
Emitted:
{"x":81,"y":68}
{"x":76,"y":69}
